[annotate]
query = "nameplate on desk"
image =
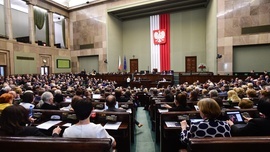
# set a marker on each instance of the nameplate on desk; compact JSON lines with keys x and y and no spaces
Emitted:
{"x":112,"y":125}
{"x":48,"y":124}
{"x":162,"y":110}
{"x":172,"y":124}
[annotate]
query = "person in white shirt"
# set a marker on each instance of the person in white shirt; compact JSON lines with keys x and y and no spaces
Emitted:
{"x":128,"y":81}
{"x":84,"y":128}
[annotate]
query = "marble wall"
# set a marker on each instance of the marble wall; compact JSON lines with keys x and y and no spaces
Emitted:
{"x":232,"y":16}
{"x":89,"y":26}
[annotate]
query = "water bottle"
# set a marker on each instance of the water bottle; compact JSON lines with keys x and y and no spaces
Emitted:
{"x":31,"y":111}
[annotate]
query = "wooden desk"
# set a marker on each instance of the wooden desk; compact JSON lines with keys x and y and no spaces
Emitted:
{"x":169,"y":136}
{"x":50,"y":144}
{"x":230,"y":144}
{"x":157,"y":117}
{"x":133,"y":114}
{"x":122,"y":135}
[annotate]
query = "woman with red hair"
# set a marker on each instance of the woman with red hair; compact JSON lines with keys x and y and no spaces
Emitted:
{"x":6,"y":100}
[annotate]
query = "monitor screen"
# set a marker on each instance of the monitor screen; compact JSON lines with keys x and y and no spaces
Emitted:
{"x":235,"y":116}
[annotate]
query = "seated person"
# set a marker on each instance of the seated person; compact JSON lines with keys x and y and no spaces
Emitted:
{"x":180,"y":103}
{"x":13,"y":123}
{"x":6,"y":100}
{"x":48,"y":103}
{"x":84,"y":128}
{"x":255,"y":126}
{"x":245,"y":103}
{"x":111,"y":102}
{"x":27,"y":100}
{"x":210,"y":126}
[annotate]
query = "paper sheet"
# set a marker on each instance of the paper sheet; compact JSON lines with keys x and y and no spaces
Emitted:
{"x":162,"y":110}
{"x":48,"y":124}
{"x":67,"y":125}
{"x":112,"y":125}
{"x":129,"y":110}
{"x":172,"y":124}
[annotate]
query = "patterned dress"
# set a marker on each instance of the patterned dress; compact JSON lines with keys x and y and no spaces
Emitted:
{"x":206,"y":128}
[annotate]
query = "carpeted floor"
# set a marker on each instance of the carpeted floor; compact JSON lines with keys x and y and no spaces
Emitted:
{"x":144,"y":137}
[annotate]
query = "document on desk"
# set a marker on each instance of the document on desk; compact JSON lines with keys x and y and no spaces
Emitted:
{"x":172,"y":124}
{"x":129,"y":110}
{"x":48,"y":124}
{"x":112,"y":125}
{"x":67,"y":125}
{"x":162,"y":110}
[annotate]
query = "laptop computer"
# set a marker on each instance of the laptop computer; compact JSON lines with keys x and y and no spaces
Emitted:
{"x":236,"y":117}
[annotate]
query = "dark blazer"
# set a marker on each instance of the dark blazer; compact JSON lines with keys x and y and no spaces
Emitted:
{"x":115,"y":110}
{"x":26,"y":131}
{"x":255,"y":127}
{"x":49,"y":107}
{"x":180,"y":108}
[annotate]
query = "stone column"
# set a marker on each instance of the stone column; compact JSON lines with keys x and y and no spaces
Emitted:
{"x":8,"y":19}
{"x":51,"y":28}
{"x":31,"y":22}
{"x":67,"y":23}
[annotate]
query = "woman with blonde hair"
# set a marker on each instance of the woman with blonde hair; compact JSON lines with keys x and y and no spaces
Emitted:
{"x":233,"y":96}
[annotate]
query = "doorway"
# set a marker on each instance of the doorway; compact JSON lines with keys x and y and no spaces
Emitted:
{"x":44,"y":70}
{"x":191,"y":64}
{"x":133,"y":65}
{"x":2,"y":70}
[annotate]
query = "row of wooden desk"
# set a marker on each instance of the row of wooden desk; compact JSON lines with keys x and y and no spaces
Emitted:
{"x":124,"y":135}
{"x":169,"y":137}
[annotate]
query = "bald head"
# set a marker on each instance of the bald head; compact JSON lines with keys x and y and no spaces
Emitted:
{"x":110,"y":101}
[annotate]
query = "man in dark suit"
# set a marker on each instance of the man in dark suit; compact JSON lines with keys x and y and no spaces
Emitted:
{"x":255,"y":126}
{"x":48,"y":103}
{"x":111,"y":102}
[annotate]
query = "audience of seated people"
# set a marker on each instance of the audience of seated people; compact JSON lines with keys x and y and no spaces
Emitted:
{"x":45,"y":88}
